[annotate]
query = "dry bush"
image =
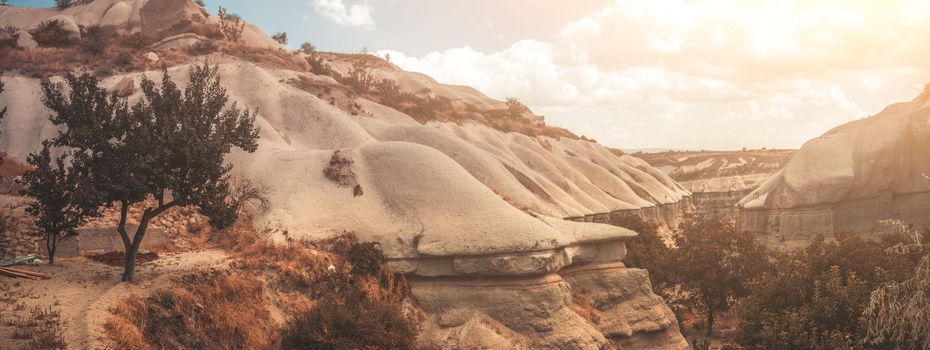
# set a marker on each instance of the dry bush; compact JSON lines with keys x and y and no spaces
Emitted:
{"x":51,"y":34}
{"x":95,"y":39}
{"x":340,"y":171}
{"x":350,"y":320}
{"x":42,"y":327}
{"x":205,"y":311}
{"x":8,"y":36}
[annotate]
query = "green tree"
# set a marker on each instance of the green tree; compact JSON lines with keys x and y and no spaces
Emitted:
{"x":59,"y":208}
{"x":712,"y":264}
{"x":63,"y":4}
{"x":168,"y":147}
{"x":814,"y":298}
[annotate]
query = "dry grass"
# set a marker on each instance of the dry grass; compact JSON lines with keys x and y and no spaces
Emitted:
{"x":41,"y":327}
{"x":337,"y":291}
{"x":204,"y":311}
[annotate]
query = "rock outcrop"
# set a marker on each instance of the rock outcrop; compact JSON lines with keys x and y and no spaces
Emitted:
{"x":453,"y":203}
{"x":846,"y":180}
{"x":718,"y":180}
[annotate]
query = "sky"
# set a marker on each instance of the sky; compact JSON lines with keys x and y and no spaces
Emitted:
{"x":641,"y":73}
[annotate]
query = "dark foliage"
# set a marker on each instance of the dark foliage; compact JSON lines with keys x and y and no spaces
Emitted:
{"x":8,"y":36}
{"x":95,"y":39}
{"x":280,"y":37}
{"x":62,"y":202}
{"x":307,"y":48}
{"x":646,"y":250}
{"x":712,"y":265}
{"x":815,"y":297}
{"x":346,"y":316}
{"x":51,"y":34}
{"x":351,"y":321}
{"x":169,"y":146}
{"x":63,"y":4}
{"x":366,"y":258}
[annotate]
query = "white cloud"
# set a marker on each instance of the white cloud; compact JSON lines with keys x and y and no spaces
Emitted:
{"x":355,"y":15}
{"x":709,"y":74}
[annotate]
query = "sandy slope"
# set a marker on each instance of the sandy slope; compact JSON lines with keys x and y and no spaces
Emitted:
{"x":84,"y":290}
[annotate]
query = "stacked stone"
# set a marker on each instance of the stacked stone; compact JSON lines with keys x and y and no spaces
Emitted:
{"x":177,"y":222}
{"x":16,"y":238}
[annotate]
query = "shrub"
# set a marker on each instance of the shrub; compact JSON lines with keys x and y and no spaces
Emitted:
{"x":205,"y":311}
{"x":123,"y":59}
{"x":134,"y":40}
{"x":95,"y":39}
{"x":8,"y":36}
{"x":814,"y":298}
{"x":319,"y":66}
{"x":280,"y":37}
{"x":307,"y":48}
{"x":63,"y":4}
{"x":712,"y":265}
{"x":231,"y":25}
{"x":51,"y":34}
{"x":339,"y":170}
{"x":350,"y":321}
{"x":647,"y":250}
{"x":42,"y":327}
{"x":365,"y":258}
{"x":359,"y":78}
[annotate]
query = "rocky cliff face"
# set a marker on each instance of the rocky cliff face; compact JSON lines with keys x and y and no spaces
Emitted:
{"x":718,"y":180}
{"x":454,"y":203}
{"x":846,"y":180}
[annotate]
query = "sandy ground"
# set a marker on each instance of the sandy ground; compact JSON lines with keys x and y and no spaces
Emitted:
{"x":83,"y":291}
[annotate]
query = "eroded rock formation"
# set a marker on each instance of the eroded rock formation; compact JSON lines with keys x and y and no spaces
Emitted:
{"x":848,"y":179}
{"x":471,"y":212}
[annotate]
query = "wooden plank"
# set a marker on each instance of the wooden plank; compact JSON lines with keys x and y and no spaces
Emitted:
{"x":14,"y":274}
{"x":26,"y":272}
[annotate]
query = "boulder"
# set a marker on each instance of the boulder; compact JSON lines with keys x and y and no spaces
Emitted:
{"x":151,"y":57}
{"x":164,"y":18}
{"x":179,"y":41}
{"x":117,"y":15}
{"x":126,"y":87}
{"x":24,"y":40}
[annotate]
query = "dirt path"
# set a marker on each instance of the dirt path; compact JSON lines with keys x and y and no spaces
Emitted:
{"x":83,"y":291}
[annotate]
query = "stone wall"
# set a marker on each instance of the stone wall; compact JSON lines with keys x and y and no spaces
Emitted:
{"x":15,"y":229}
{"x":718,"y":204}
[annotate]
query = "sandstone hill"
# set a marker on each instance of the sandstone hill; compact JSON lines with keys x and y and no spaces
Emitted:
{"x":719,"y":179}
{"x":848,"y":179}
{"x":461,"y":190}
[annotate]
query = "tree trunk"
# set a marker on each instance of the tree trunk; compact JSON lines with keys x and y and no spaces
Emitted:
{"x":50,"y":246}
{"x":710,"y":322}
{"x":129,"y":268}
